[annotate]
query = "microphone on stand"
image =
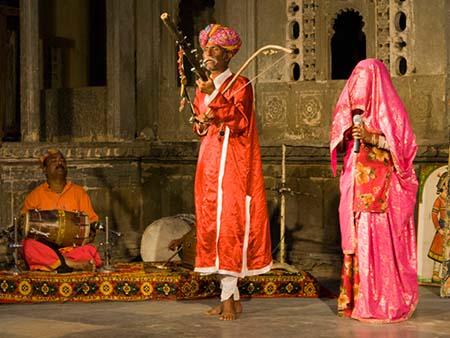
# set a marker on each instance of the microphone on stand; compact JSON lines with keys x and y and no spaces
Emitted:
{"x":357,"y":121}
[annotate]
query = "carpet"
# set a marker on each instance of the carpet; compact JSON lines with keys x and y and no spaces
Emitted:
{"x":144,"y":281}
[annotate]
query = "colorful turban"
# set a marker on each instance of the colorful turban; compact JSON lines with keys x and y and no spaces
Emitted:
{"x":47,"y":153}
{"x":218,"y":35}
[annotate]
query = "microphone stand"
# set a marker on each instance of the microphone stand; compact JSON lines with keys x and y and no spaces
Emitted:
{"x":15,"y":270}
{"x":107,"y":267}
{"x":282,"y":191}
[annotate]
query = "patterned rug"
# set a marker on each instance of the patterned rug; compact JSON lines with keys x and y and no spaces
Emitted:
{"x":144,"y":281}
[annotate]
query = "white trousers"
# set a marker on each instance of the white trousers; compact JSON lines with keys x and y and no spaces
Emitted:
{"x":229,"y":287}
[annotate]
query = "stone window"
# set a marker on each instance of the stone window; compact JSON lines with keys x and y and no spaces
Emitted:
{"x":348,"y":44}
{"x":193,"y":16}
{"x":400,"y":21}
{"x":294,"y":30}
{"x":294,"y":72}
{"x":401,"y":65}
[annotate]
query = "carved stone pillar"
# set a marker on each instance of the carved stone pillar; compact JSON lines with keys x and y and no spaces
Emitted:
{"x":382,"y":32}
{"x":401,"y":31}
{"x":148,"y":61}
{"x":3,"y":70}
{"x":121,"y":72}
{"x":29,"y":70}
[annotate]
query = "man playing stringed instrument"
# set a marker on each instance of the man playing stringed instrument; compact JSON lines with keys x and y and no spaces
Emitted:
{"x":59,"y":194}
{"x":233,"y":235}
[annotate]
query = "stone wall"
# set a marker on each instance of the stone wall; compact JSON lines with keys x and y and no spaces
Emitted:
{"x":77,"y":114}
{"x":294,"y":112}
{"x":136,"y":183}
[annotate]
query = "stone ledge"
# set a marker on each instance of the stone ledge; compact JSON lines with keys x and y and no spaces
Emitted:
{"x":181,"y":152}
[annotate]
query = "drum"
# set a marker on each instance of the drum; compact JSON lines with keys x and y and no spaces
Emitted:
{"x":64,"y":228}
{"x":157,"y":236}
{"x":188,"y":250}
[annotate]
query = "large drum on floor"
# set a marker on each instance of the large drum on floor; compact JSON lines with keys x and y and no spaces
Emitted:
{"x":63,"y":228}
{"x":158,"y":235}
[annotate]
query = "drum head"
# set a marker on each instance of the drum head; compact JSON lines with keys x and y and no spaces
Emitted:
{"x":158,"y":235}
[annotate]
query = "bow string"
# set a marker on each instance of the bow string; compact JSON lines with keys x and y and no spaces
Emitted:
{"x":267,"y":50}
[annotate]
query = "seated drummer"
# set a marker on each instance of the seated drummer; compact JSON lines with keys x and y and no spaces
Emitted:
{"x":59,"y":194}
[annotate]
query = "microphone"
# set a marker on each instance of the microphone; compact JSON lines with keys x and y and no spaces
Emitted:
{"x":357,"y":121}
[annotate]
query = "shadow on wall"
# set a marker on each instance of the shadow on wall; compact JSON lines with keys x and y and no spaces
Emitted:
{"x":275,"y":231}
{"x":122,"y":210}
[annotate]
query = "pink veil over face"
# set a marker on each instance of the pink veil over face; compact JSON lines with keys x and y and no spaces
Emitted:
{"x":370,"y":90}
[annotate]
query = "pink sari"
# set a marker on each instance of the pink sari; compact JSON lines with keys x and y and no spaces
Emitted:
{"x":379,"y":273}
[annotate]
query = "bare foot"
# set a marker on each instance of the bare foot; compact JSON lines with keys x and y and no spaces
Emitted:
{"x":84,"y":266}
{"x":228,"y":312}
{"x":238,"y":306}
{"x":218,"y":309}
{"x":215,"y":311}
{"x":93,"y":267}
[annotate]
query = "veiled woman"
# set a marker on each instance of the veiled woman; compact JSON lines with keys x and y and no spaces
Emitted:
{"x":378,"y":189}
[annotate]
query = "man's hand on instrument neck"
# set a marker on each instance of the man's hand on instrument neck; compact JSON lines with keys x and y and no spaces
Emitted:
{"x":206,"y":87}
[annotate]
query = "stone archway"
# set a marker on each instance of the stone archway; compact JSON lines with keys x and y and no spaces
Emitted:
{"x":348,"y":43}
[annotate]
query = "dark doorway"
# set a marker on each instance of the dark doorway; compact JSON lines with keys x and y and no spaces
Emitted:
{"x":73,"y":35}
{"x":97,"y":55}
{"x":193,"y":16}
{"x":348,"y":44}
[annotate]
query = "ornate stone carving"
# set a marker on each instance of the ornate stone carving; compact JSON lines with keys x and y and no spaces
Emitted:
{"x":309,"y":111}
{"x":294,"y":39}
{"x":302,"y":12}
{"x":274,"y":108}
{"x":382,"y":31}
{"x":309,"y":39}
{"x":422,"y":105}
{"x":306,"y":122}
{"x":401,"y":29}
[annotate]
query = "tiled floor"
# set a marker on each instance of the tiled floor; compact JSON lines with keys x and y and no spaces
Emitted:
{"x":261,"y":318}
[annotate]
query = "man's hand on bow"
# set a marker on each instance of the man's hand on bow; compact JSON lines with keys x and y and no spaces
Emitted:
{"x":206,"y":87}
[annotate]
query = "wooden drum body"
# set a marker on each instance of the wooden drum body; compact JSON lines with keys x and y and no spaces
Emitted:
{"x":64,"y":228}
{"x":188,"y":251}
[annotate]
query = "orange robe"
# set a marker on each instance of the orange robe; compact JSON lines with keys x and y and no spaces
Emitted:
{"x":233,"y":231}
{"x":73,"y":198}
